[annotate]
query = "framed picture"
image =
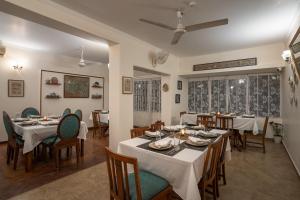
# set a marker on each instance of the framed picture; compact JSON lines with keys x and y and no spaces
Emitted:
{"x":295,"y":50}
{"x":179,"y":85}
{"x":15,"y":88}
{"x":177,"y":98}
{"x":76,"y":86}
{"x":127,"y":85}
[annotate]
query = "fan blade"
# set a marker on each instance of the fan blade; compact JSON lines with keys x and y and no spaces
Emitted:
{"x":204,"y":25}
{"x":158,"y":24}
{"x":177,"y":37}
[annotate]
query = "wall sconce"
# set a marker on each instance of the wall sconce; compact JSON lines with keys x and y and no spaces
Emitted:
{"x":17,"y":67}
{"x":286,"y":55}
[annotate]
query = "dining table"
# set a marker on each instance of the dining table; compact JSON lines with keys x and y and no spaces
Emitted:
{"x":182,"y":168}
{"x":104,"y":117}
{"x":240,"y":123}
{"x":33,"y":134}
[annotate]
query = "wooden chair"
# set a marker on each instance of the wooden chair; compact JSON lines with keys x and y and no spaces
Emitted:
{"x":157,"y":126}
{"x":221,"y":164}
{"x":259,"y":139}
{"x":99,"y":126}
{"x":15,"y":142}
{"x":209,"y":176}
{"x":67,"y":132}
{"x":137,"y":185}
{"x":224,"y":122}
{"x":206,"y":120}
{"x":136,"y":132}
{"x":78,"y":112}
{"x":29,"y":111}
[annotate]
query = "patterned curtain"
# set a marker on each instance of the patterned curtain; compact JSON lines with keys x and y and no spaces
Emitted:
{"x":264,"y":95}
{"x":218,"y":96}
{"x":140,"y":95}
{"x":198,"y":96}
{"x":156,"y":96}
{"x":237,"y":96}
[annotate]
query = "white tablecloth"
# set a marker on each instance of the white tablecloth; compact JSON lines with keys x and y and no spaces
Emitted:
{"x":183,"y":170}
{"x":104,"y":117}
{"x":34,"y":135}
{"x":239,"y":123}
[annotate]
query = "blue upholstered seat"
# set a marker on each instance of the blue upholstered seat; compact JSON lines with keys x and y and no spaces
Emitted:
{"x":79,"y":114}
{"x":66,"y":112}
{"x":151,"y":184}
{"x":51,"y":140}
{"x":29,"y":111}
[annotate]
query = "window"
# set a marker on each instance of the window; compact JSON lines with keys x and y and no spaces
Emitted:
{"x":147,"y":95}
{"x":198,"y":96}
{"x":264,"y":95}
{"x":252,"y":94}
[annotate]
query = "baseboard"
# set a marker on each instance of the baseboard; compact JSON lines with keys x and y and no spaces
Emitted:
{"x":295,"y":166}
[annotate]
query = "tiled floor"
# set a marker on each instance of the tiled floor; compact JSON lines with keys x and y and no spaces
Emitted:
{"x":251,"y":175}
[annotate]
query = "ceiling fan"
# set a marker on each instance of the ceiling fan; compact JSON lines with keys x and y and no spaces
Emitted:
{"x":82,"y":62}
{"x":181,"y":29}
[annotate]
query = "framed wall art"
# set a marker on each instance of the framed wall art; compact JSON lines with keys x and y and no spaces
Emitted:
{"x":295,"y":50}
{"x":15,"y":88}
{"x":177,"y":98}
{"x":179,"y":85}
{"x":76,"y":86}
{"x":127,"y":85}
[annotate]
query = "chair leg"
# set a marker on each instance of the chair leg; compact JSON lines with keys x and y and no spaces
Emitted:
{"x":264,"y":147}
{"x":217,"y":187}
{"x":214,"y":190}
{"x":16,"y":157}
{"x":57,"y":158}
{"x":77,"y":153}
{"x":12,"y":153}
{"x":8,"y":154}
{"x":202,"y":193}
{"x":68,"y":152}
{"x":223,"y":173}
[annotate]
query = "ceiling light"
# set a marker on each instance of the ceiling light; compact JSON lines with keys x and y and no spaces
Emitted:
{"x":286,"y":55}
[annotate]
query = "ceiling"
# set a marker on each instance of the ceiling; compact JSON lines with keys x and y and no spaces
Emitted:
{"x":251,"y":22}
{"x":26,"y":34}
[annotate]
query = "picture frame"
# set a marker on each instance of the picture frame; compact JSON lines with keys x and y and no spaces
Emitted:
{"x":127,"y":85}
{"x":179,"y":85}
{"x":177,"y":98}
{"x":76,"y":86}
{"x":15,"y":88}
{"x":294,"y":47}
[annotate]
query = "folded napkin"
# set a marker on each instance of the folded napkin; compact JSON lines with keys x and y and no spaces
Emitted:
{"x":155,"y":133}
{"x":190,"y":131}
{"x":204,"y":133}
{"x":248,"y":116}
{"x":198,"y":140}
{"x":162,"y":143}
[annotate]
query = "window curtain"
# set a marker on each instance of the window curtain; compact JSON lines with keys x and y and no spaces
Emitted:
{"x":218,"y":96}
{"x":140,"y":95}
{"x":198,"y":96}
{"x":237,"y":96}
{"x":156,"y":96}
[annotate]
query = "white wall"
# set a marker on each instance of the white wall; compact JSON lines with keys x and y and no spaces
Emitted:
{"x":33,"y":62}
{"x":291,"y":113}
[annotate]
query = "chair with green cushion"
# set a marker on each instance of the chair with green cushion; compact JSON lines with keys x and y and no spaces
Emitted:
{"x":139,"y":185}
{"x":67,"y":132}
{"x":15,"y":142}
{"x":78,"y":112}
{"x":29,"y":111}
{"x":66,"y":112}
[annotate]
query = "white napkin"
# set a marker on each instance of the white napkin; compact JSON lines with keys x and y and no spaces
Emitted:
{"x":156,"y":133}
{"x":190,"y":131}
{"x":206,"y":133}
{"x":198,"y":140}
{"x":162,"y":143}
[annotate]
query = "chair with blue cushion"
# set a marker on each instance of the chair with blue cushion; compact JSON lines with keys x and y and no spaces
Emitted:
{"x":15,"y":142}
{"x":66,"y":112}
{"x":67,"y":132}
{"x":139,"y":185}
{"x":29,"y":111}
{"x":78,"y":112}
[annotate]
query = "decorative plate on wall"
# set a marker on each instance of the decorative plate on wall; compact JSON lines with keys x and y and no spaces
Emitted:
{"x":165,"y":87}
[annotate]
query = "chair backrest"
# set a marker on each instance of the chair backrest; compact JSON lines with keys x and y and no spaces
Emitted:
{"x":136,"y":132}
{"x":29,"y":111}
{"x":225,"y":138}
{"x":265,"y":126}
{"x":206,"y":120}
{"x":96,"y":119}
{"x":78,"y":112}
{"x":224,"y":123}
{"x":118,"y":175}
{"x":8,"y":126}
{"x":157,"y":126}
{"x":68,"y":127}
{"x":66,"y":112}
{"x":211,"y":160}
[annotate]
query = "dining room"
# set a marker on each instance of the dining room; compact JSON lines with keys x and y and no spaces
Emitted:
{"x":161,"y":100}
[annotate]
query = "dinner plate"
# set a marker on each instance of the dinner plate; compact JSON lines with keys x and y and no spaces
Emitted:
{"x":21,"y":119}
{"x":152,"y":145}
{"x":34,"y":116}
{"x":197,"y":144}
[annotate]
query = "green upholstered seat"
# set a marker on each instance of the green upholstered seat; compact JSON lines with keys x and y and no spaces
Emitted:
{"x":66,"y":112}
{"x":151,"y":184}
{"x":29,"y":111}
{"x":51,"y":140}
{"x":79,"y":114}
